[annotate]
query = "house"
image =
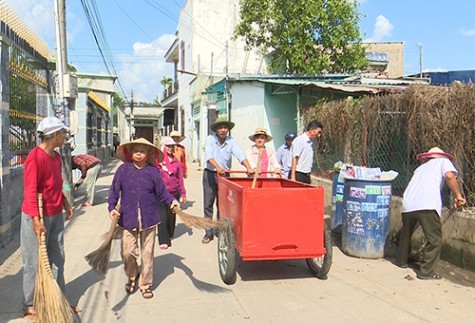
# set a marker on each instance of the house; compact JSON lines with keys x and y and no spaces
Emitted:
{"x":277,"y":103}
{"x":91,"y":122}
{"x":204,"y":49}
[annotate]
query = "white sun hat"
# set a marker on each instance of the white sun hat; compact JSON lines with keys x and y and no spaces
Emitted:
{"x":50,"y":125}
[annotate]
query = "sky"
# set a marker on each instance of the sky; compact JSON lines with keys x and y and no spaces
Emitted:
{"x":139,"y":32}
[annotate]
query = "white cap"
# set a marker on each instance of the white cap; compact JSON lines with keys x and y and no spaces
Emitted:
{"x":167,"y":141}
{"x":50,"y":125}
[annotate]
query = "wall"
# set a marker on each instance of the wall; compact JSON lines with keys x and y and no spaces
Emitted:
{"x":281,"y":110}
{"x":248,"y":112}
{"x":395,"y":52}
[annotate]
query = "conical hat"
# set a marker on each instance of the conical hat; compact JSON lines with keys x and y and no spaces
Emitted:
{"x":435,"y":152}
{"x":124,"y":152}
{"x":175,"y":133}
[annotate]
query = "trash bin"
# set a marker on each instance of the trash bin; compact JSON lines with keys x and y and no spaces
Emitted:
{"x":337,"y":202}
{"x":366,"y":209}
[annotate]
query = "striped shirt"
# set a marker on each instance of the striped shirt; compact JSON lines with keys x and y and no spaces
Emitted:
{"x":84,"y":162}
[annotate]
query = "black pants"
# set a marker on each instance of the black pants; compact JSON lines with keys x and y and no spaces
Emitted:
{"x":166,"y":228}
{"x":301,"y":177}
{"x":210,"y":196}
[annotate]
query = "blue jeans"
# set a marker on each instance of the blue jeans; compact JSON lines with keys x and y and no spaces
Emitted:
{"x":29,"y":251}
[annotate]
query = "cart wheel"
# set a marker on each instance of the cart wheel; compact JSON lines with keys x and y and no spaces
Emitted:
{"x":321,"y":266}
{"x":227,"y":254}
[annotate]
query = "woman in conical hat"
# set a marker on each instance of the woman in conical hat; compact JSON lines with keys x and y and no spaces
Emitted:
{"x":180,"y":152}
{"x":139,"y":186}
{"x":268,"y":160}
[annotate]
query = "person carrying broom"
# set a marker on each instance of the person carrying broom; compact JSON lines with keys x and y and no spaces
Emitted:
{"x":42,"y":175}
{"x":138,"y":187}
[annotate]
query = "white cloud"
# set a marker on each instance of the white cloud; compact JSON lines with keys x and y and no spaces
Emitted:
{"x":38,"y":15}
{"x":382,"y":29}
{"x":144,"y":69}
{"x":467,"y":32}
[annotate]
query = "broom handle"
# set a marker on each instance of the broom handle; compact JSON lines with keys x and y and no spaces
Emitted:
{"x":258,"y":167}
{"x":43,"y":253}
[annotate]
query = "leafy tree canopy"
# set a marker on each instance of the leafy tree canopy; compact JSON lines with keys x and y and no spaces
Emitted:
{"x":304,"y":36}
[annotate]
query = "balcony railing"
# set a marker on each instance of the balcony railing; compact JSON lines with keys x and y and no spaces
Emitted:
{"x":170,"y":90}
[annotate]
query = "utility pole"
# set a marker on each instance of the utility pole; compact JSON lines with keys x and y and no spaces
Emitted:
{"x":419,"y":44}
{"x":62,"y":104}
{"x":131,"y":115}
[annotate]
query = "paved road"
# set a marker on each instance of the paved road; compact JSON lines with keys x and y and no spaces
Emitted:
{"x":188,"y":287}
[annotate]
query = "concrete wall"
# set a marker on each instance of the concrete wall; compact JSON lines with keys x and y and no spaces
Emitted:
{"x":395,"y":52}
{"x":458,"y":233}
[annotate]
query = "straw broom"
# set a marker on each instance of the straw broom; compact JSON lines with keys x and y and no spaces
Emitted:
{"x":50,"y":303}
{"x":99,"y":258}
{"x":194,"y":221}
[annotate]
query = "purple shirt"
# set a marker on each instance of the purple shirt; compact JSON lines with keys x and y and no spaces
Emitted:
{"x":138,"y":188}
{"x":172,"y":174}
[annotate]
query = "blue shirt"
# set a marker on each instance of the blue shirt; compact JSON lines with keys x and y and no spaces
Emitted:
{"x":284,"y":157}
{"x":222,"y":154}
{"x":302,"y":147}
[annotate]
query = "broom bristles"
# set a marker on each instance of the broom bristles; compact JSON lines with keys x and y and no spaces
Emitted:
{"x":99,"y":258}
{"x":49,"y":301}
{"x":193,"y":221}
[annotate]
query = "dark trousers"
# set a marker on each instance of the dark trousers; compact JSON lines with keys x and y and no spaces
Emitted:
{"x":210,"y":196}
{"x":302,"y":177}
{"x":430,"y":223}
{"x":166,"y":228}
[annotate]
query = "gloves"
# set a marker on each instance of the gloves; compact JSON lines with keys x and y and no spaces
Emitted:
{"x":174,"y":204}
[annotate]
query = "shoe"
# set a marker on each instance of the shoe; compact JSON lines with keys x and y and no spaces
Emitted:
{"x":29,"y":314}
{"x":434,"y":276}
{"x":402,"y":265}
{"x":147,"y":293}
{"x":131,"y":285}
{"x":206,"y":239}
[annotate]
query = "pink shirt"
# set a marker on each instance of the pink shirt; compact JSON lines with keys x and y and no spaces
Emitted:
{"x":172,"y":175}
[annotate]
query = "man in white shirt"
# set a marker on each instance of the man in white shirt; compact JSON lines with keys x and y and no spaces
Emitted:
{"x":422,"y":203}
{"x":302,"y":152}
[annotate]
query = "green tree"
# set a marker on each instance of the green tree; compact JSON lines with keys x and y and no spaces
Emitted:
{"x":166,"y":81}
{"x":118,"y":102}
{"x":304,"y":36}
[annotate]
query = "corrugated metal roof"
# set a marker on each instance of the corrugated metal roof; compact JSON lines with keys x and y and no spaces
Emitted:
{"x":346,"y":88}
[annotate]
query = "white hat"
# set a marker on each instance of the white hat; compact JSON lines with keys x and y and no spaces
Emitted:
{"x":167,"y":141}
{"x":50,"y":125}
{"x":177,"y":135}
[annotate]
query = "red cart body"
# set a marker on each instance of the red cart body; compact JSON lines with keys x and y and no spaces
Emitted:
{"x":278,"y":219}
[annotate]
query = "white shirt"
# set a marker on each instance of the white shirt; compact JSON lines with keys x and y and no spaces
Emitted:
{"x":302,"y":147}
{"x":424,"y":190}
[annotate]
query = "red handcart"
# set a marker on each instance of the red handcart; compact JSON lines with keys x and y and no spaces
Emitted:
{"x":277,"y":219}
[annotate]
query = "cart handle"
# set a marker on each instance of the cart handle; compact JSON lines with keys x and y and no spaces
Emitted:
{"x":244,"y":172}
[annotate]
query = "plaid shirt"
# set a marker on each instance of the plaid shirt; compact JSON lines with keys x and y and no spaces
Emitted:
{"x":84,"y":162}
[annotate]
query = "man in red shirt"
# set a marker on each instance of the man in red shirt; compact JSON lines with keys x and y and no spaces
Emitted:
{"x":42,"y":174}
{"x":90,"y":167}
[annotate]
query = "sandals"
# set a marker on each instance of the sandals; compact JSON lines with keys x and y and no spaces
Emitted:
{"x":164,"y":246}
{"x":434,"y":276}
{"x":147,"y":293}
{"x":131,"y":285}
{"x":29,"y":314}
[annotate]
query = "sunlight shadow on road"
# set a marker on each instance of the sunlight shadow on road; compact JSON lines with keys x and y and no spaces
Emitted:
{"x":169,"y":262}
